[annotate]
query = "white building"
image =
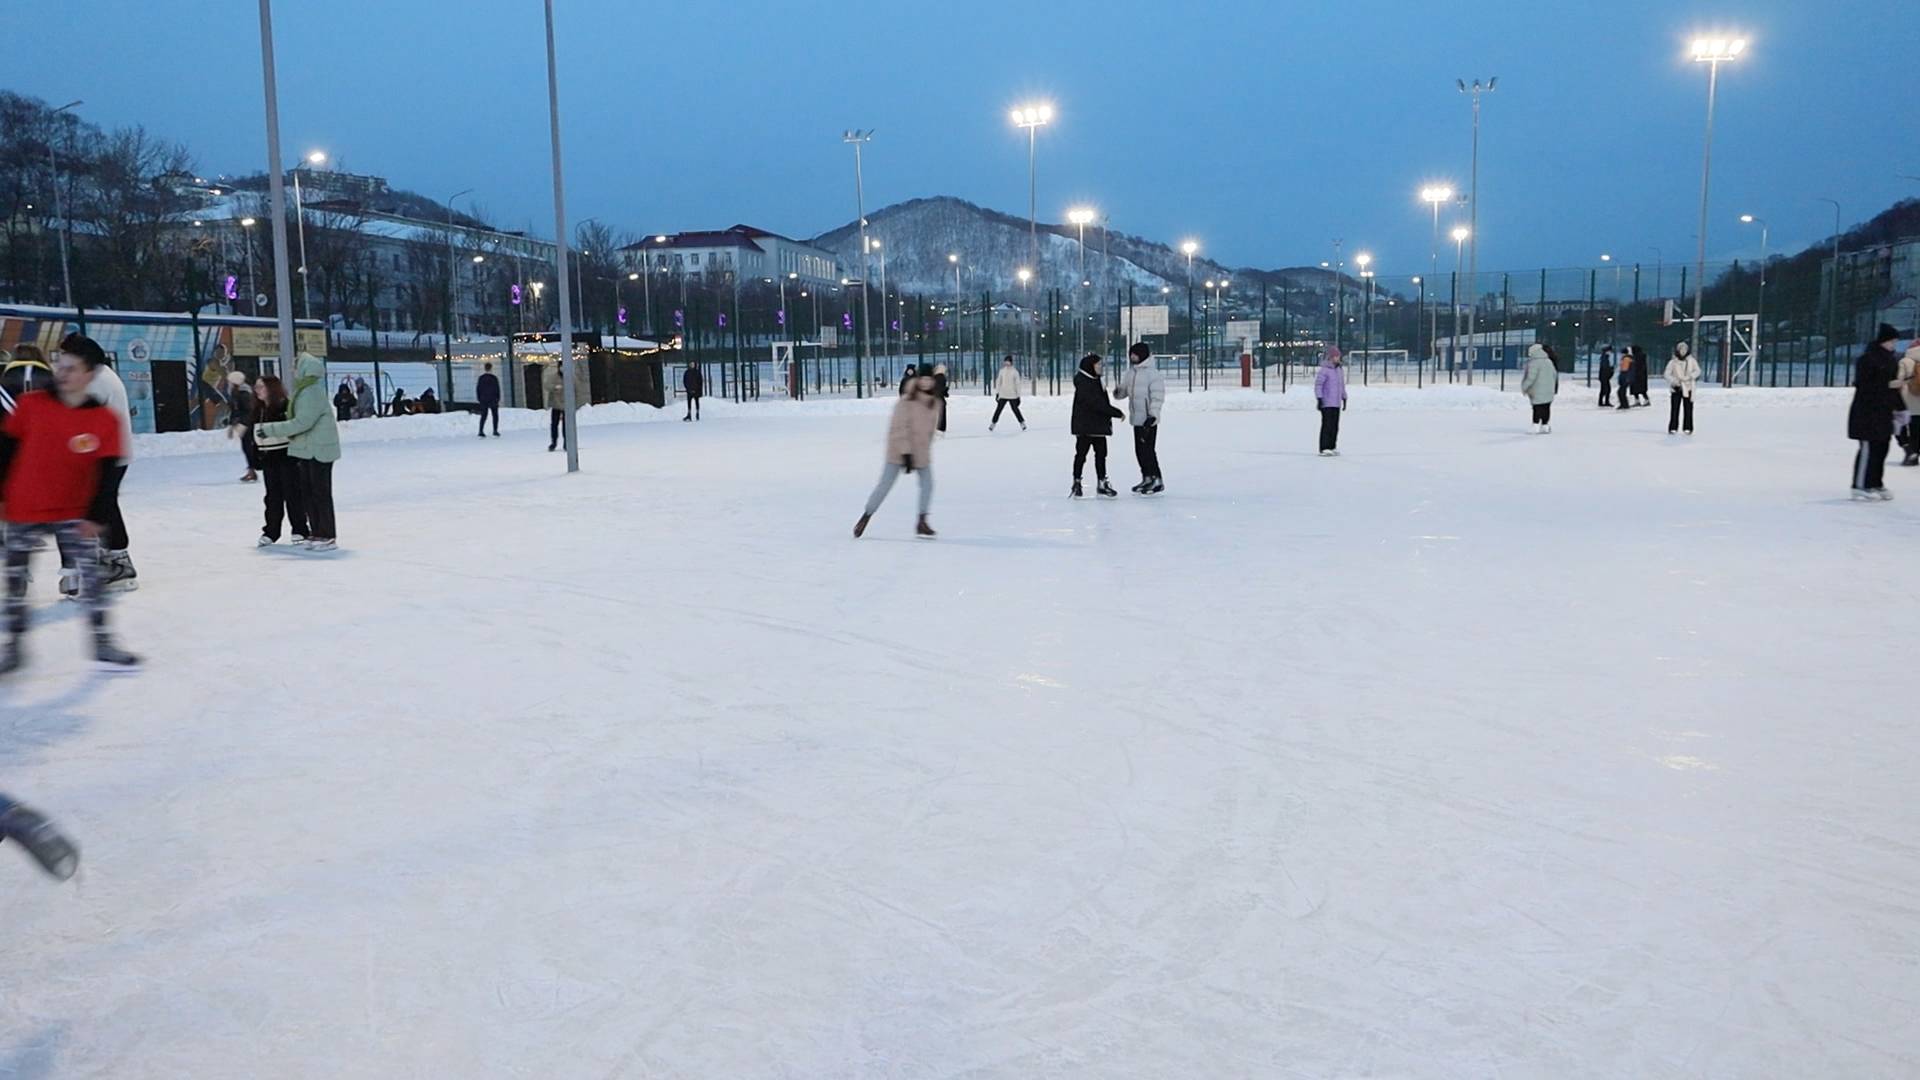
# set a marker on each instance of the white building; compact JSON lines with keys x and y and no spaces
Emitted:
{"x":742,"y":250}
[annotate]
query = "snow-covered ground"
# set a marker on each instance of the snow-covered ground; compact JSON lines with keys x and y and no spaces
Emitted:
{"x":1469,"y":753}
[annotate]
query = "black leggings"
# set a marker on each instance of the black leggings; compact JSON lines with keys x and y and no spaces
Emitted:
{"x":1681,"y":402}
{"x":283,"y":493}
{"x":693,"y":405}
{"x":1007,"y":403}
{"x":490,"y":410}
{"x":553,"y":428}
{"x":115,"y":536}
{"x":1543,"y":413}
{"x":316,"y":494}
{"x":1096,"y":443}
{"x":1329,"y":427}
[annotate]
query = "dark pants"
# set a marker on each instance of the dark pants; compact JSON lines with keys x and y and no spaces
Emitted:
{"x":1329,"y":426}
{"x":75,"y":550}
{"x":553,"y":428}
{"x":1543,"y":414}
{"x":283,"y":494}
{"x":1146,"y":451}
{"x":1606,"y":392}
{"x":316,"y":496}
{"x":1626,"y":396}
{"x":1006,"y":403}
{"x":250,"y":449}
{"x":1870,"y":464}
{"x":493,"y":411}
{"x":115,"y":538}
{"x":693,"y":406}
{"x":1096,"y":443}
{"x":1681,"y":403}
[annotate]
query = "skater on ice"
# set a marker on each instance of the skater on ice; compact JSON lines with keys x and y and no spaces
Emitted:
{"x":282,"y":474}
{"x":486,"y":391}
{"x":1330,"y":394}
{"x":240,"y":419}
{"x":1540,"y":381}
{"x":1145,"y":391}
{"x":118,"y":574}
{"x":343,"y":402}
{"x":1624,"y":377}
{"x":1870,"y":419}
{"x":1093,"y":417}
{"x":554,"y":398}
{"x":61,"y":456}
{"x":1642,"y":371}
{"x":1006,"y":394}
{"x":694,"y":384}
{"x":1683,"y":372}
{"x":909,"y":448}
{"x":313,"y":445}
{"x":940,"y":391}
{"x":1606,"y":376}
{"x":1908,"y":381}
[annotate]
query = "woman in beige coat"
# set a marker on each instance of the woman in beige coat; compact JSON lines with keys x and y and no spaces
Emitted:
{"x":909,"y":447}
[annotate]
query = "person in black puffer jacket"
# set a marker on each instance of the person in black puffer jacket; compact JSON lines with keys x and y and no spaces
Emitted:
{"x":1093,"y":417}
{"x":1870,"y":419}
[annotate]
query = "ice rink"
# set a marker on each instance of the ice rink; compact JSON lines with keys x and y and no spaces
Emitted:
{"x":1470,"y":753}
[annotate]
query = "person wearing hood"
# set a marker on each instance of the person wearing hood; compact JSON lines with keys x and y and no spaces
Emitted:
{"x":343,"y":401}
{"x":240,"y":415}
{"x":363,"y":407}
{"x":1006,"y":392}
{"x":1606,"y":376}
{"x":313,"y":445}
{"x":1683,"y":371}
{"x":428,"y":403}
{"x":940,"y":391}
{"x":1145,"y":391}
{"x":1330,"y":395}
{"x":1907,"y":381}
{"x":1540,"y":381}
{"x":1642,"y":371}
{"x":909,"y":448}
{"x":907,"y":377}
{"x":1093,"y":417}
{"x":1870,"y":419}
{"x":60,"y":463}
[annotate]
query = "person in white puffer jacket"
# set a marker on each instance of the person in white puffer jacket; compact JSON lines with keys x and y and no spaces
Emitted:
{"x":1006,"y":393}
{"x":1909,"y":420}
{"x":1145,"y":391}
{"x":1540,"y":381}
{"x":1683,"y":371}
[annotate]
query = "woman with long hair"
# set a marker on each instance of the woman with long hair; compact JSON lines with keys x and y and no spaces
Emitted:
{"x":283,"y":480}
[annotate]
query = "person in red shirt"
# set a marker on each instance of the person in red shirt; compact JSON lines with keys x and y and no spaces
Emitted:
{"x":59,"y":456}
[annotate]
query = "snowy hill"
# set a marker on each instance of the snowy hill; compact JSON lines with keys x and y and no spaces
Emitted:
{"x":918,"y":235}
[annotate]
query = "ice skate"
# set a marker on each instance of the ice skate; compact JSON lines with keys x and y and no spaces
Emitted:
{"x":1546,"y":429}
{"x":860,"y":527}
{"x":322,"y":546}
{"x":1882,"y":494}
{"x":11,"y":657}
{"x":1023,"y":425}
{"x":110,"y":657}
{"x":117,"y":573}
{"x":924,"y":530}
{"x":1076,"y":493}
{"x":1863,"y":495}
{"x":250,"y":477}
{"x":1155,"y":488}
{"x":1106,"y":489}
{"x":1326,"y":453}
{"x":1911,"y":459}
{"x":69,"y":585}
{"x":34,"y":833}
{"x":263,"y":540}
{"x":1141,"y":487}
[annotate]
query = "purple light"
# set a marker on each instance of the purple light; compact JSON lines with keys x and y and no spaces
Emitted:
{"x":846,"y":320}
{"x":514,"y":292}
{"x":679,"y":319}
{"x":233,"y":287}
{"x":896,"y":324}
{"x":723,"y":319}
{"x":623,"y":316}
{"x":781,"y":316}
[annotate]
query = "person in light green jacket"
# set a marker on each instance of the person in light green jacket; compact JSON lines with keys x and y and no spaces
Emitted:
{"x":1540,"y":382}
{"x":313,"y":445}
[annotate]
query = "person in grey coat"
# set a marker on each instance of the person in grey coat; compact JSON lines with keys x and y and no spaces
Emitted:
{"x":1540,"y":381}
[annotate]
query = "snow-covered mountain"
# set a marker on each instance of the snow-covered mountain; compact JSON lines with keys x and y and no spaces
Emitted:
{"x":918,"y":235}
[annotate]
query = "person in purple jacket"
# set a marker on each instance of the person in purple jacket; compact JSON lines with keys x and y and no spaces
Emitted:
{"x":1330,"y":393}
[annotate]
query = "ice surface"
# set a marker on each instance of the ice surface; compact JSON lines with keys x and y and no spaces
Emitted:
{"x":1469,"y":753}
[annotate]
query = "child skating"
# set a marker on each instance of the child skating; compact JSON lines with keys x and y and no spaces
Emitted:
{"x":1330,"y":394}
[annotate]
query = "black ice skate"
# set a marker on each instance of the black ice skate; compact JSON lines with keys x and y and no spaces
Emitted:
{"x":924,"y":530}
{"x":1154,"y":487}
{"x":110,"y":657}
{"x":1106,"y":489}
{"x":54,"y":852}
{"x":1076,"y":493}
{"x":860,"y":527}
{"x":117,"y":573}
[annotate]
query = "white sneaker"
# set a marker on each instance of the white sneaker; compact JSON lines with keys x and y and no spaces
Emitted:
{"x":263,"y":540}
{"x":1863,"y":495}
{"x":1883,"y":494}
{"x":321,"y":545}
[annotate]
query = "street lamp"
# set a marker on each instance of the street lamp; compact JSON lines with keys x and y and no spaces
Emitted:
{"x":59,"y":206}
{"x":886,"y":308}
{"x":1473,"y":210}
{"x":1833,"y":286}
{"x":453,"y":265}
{"x":1080,"y":216}
{"x":1613,"y":324}
{"x":253,"y":293}
{"x":1435,"y":194}
{"x":1032,"y":118}
{"x":1711,"y":51}
{"x":1459,"y":234}
{"x":857,"y":138}
{"x":1363,"y":260}
{"x":300,"y":223}
{"x":1760,"y":308}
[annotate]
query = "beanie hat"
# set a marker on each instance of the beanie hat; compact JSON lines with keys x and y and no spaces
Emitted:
{"x":1087,"y":362}
{"x":1885,"y":334}
{"x":1140,"y":350}
{"x":236,"y":377}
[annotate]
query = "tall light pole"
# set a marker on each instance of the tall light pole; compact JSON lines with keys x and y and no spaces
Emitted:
{"x":857,"y":139}
{"x":1760,"y":308}
{"x":1460,"y":234}
{"x":1187,"y":248}
{"x":1363,"y":260}
{"x":1712,"y":52}
{"x":1435,"y":194}
{"x":1473,"y":212}
{"x":277,"y":192}
{"x":1080,"y":216}
{"x":646,"y":284}
{"x":253,"y":291}
{"x":300,"y":222}
{"x":886,"y":307}
{"x":568,"y":397}
{"x":1613,"y":322}
{"x":1833,"y":284}
{"x":1026,"y":286}
{"x":59,"y":203}
{"x":453,"y":267}
{"x":1032,"y":118}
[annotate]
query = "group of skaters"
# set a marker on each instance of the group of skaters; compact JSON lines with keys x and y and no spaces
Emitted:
{"x":1886,"y":405}
{"x":921,"y":413}
{"x":1682,"y":374}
